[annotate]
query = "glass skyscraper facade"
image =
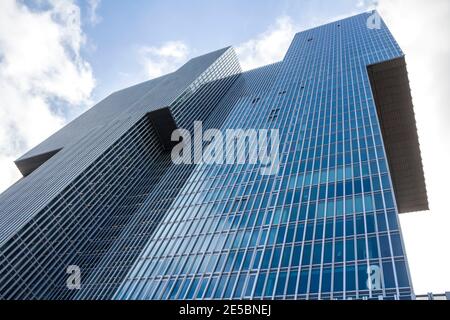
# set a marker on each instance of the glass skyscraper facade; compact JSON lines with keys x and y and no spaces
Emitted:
{"x":103,"y":194}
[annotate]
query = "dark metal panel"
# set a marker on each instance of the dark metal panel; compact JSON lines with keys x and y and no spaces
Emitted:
{"x":392,"y":94}
{"x":27,"y":166}
{"x":164,"y":124}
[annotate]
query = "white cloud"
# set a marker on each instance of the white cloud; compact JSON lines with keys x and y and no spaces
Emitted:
{"x":268,"y":47}
{"x":39,"y":62}
{"x":93,"y":6}
{"x":422,"y":29}
{"x":158,"y":61}
{"x":271,"y":45}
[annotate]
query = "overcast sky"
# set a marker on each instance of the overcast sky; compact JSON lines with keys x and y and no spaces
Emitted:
{"x":59,"y":57}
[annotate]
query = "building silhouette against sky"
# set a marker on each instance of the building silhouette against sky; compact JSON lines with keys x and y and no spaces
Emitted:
{"x":101,"y":199}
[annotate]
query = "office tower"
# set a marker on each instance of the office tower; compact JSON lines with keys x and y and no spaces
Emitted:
{"x":103,"y":197}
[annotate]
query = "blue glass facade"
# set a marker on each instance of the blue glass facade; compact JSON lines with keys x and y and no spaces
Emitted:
{"x":324,"y":227}
{"x":312,"y":231}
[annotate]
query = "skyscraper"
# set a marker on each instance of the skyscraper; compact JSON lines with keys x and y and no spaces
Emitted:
{"x":102,"y":199}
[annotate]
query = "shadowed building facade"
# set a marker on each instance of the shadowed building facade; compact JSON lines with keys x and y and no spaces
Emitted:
{"x":103,"y":193}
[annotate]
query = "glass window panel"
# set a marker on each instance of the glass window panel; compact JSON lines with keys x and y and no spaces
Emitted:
{"x":260,"y":284}
{"x":360,"y":228}
{"x":330,"y":208}
{"x":309,"y":235}
{"x":392,"y":220}
{"x":286,"y":256}
{"x":339,"y":207}
{"x":388,"y":274}
{"x":306,"y":255}
{"x":281,"y":234}
{"x":338,"y":251}
{"x":362,"y":277}
{"x":359,"y":206}
{"x":349,"y":250}
{"x":349,"y":205}
{"x":338,"y":279}
{"x":240,"y":286}
{"x":339,"y":228}
{"x":276,"y":258}
{"x":321,"y":210}
{"x":202,"y":288}
{"x":299,"y":233}
{"x":368,"y":202}
{"x":315,"y":279}
{"x":350,"y":281}
{"x":385,"y":246}
{"x":230,"y":287}
{"x":249,"y":287}
{"x":290,"y":234}
{"x":402,"y":274}
{"x":373,"y":247}
{"x":397,"y":245}
{"x":270,"y":284}
{"x":326,"y":280}
{"x":296,"y":256}
{"x":317,"y":254}
{"x":329,"y":228}
{"x":192,"y":289}
{"x":257,"y":259}
{"x":292,"y":283}
{"x":381,"y":222}
{"x":328,"y":252}
{"x":211,"y":287}
{"x":303,"y":282}
{"x":238,"y":261}
{"x":349,"y":226}
{"x":266,"y":258}
{"x":361,"y":249}
{"x":281,"y":283}
{"x":370,"y":223}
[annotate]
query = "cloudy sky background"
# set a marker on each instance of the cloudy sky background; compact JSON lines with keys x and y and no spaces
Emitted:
{"x":59,"y":57}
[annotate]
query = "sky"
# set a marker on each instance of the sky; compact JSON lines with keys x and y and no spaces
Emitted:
{"x":60,"y":57}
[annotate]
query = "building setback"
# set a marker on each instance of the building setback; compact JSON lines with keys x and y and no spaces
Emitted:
{"x":103,"y":195}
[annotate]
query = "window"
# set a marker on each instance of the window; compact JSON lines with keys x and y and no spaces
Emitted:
{"x":286,"y":257}
{"x":274,"y":114}
{"x":338,"y":251}
{"x":240,"y":286}
{"x":350,"y":278}
{"x":260,"y":284}
{"x":315,"y":278}
{"x":326,"y":280}
{"x":276,"y":258}
{"x":266,"y":259}
{"x":306,"y":254}
{"x":328,"y":252}
{"x":292,"y":283}
{"x":230,"y":287}
{"x":303,"y":283}
{"x":317,"y":256}
{"x":338,"y":279}
{"x":270,"y":284}
{"x":402,"y":277}
{"x":256,"y":100}
{"x":249,"y":289}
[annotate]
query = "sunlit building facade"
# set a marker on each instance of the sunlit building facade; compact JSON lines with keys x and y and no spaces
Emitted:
{"x":104,"y":195}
